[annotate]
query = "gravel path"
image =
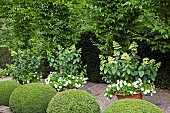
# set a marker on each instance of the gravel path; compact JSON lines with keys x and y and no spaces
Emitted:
{"x":161,"y":98}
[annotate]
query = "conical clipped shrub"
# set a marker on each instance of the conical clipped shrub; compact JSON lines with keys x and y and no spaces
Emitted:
{"x":6,"y":89}
{"x":73,"y":101}
{"x":132,"y":106}
{"x":31,"y":98}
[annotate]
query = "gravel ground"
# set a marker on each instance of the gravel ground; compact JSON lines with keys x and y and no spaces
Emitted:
{"x":161,"y":98}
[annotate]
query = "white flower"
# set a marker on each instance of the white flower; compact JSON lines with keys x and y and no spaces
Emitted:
{"x":154,"y":91}
{"x":129,"y":84}
{"x":73,"y":77}
{"x":136,"y":86}
{"x":131,"y":92}
{"x":118,"y":88}
{"x":69,"y":81}
{"x":144,"y":92}
{"x":86,"y":78}
{"x":149,"y":81}
{"x":107,"y":89}
{"x":60,"y":87}
{"x":109,"y":86}
{"x":113,"y":85}
{"x":142,"y":89}
{"x":125,"y":83}
{"x":148,"y":91}
{"x":121,"y":85}
{"x":117,"y":81}
{"x":139,"y":80}
{"x":111,"y":96}
{"x":84,"y":82}
{"x":134,"y":92}
{"x":55,"y":86}
{"x":121,"y":81}
{"x":69,"y":75}
{"x":105,"y":94}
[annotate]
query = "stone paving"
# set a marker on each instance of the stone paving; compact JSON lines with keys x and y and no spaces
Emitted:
{"x":161,"y":98}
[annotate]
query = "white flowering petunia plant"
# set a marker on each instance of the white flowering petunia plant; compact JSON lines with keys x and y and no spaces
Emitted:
{"x":130,"y":88}
{"x":61,"y":83}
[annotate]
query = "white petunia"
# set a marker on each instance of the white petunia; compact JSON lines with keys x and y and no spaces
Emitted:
{"x":73,"y":77}
{"x":134,"y":92}
{"x":142,"y":89}
{"x":55,"y":85}
{"x":125,"y":83}
{"x":136,"y":86}
{"x":154,"y":91}
{"x":149,"y":81}
{"x":118,"y":88}
{"x":113,"y":85}
{"x":144,"y":92}
{"x":69,"y":75}
{"x":111,"y":96}
{"x":131,"y":92}
{"x":129,"y":84}
{"x":60,"y":87}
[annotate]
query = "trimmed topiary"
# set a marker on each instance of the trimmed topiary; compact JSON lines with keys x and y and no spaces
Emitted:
{"x":31,"y":98}
{"x":6,"y":89}
{"x":132,"y":106}
{"x":73,"y":101}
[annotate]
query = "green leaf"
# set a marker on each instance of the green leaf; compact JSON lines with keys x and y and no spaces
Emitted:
{"x":101,"y":68}
{"x":118,"y":73}
{"x":140,"y":68}
{"x":114,"y":70}
{"x":105,"y":71}
{"x":148,"y":72}
{"x":141,"y":73}
{"x":126,"y":77}
{"x":128,"y":71}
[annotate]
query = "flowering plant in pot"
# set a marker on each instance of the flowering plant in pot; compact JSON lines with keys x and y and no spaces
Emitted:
{"x":127,"y":73}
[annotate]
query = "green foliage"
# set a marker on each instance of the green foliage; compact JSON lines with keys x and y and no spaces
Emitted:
{"x":3,"y":73}
{"x":6,"y":89}
{"x":25,"y":66}
{"x":128,"y":65}
{"x":90,"y":55}
{"x":132,"y":106}
{"x":5,"y":56}
{"x":127,"y":20}
{"x":73,"y":101}
{"x":31,"y":98}
{"x":66,"y":61}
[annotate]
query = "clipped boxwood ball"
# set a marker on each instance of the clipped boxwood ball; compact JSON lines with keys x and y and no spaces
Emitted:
{"x":31,"y":98}
{"x":132,"y":106}
{"x":73,"y":101}
{"x":6,"y":89}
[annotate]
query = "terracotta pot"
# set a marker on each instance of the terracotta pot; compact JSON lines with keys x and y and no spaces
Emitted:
{"x":138,"y":95}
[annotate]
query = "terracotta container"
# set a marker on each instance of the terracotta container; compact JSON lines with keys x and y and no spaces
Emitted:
{"x":138,"y":95}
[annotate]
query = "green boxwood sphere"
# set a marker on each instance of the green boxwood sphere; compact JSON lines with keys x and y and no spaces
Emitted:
{"x":132,"y":106}
{"x":6,"y":89}
{"x":73,"y":101}
{"x":31,"y":98}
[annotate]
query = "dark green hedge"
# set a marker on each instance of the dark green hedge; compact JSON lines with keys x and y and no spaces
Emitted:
{"x":90,"y":55}
{"x":163,"y":76}
{"x":5,"y":56}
